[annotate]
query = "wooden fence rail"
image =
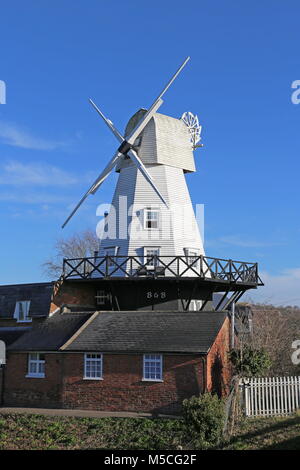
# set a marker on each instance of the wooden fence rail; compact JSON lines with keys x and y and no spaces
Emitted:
{"x":203,"y":267}
{"x":271,"y":396}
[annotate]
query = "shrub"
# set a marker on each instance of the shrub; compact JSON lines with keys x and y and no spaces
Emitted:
{"x":249,"y":362}
{"x":204,"y":416}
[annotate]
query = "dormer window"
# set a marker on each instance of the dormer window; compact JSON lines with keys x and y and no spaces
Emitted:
{"x":22,"y":311}
{"x":151,"y":219}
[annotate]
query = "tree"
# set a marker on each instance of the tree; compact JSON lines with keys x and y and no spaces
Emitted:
{"x":80,"y":245}
{"x":248,"y":361}
{"x":273,"y":330}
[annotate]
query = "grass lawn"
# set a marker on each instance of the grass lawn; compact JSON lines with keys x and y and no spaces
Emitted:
{"x":36,"y":432}
{"x":266,"y":434}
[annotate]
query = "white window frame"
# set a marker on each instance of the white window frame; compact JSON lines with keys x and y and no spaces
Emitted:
{"x":98,"y":358}
{"x":147,"y":210}
{"x":153,"y":359}
{"x":191,"y":253}
{"x":101,"y":297}
{"x":37,"y":361}
{"x":195,"y":305}
{"x":151,"y":248}
{"x":24,"y":306}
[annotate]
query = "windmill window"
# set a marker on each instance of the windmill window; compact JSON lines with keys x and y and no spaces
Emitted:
{"x":195,"y":305}
{"x":36,"y":365}
{"x":93,"y":366}
{"x":152,"y":366}
{"x":21,"y":313}
{"x":150,"y":256}
{"x":192,"y":257}
{"x":151,"y":218}
{"x":111,"y":251}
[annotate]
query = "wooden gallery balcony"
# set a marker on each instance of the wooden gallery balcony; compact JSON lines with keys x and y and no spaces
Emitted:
{"x":163,"y":267}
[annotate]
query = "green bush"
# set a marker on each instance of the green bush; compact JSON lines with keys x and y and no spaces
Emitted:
{"x":204,"y":416}
{"x":250,"y":362}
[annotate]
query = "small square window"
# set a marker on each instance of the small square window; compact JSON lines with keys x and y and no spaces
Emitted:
{"x":152,"y":367}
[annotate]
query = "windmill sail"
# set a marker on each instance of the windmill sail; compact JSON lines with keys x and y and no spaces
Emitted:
{"x":126,"y":148}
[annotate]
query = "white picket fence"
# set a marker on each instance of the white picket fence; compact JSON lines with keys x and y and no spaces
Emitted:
{"x":271,"y":396}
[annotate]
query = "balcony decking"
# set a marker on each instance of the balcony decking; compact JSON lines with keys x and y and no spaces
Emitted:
{"x":163,"y":267}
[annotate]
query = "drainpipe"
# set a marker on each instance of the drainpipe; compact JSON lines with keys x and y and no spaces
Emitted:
{"x":204,"y":372}
{"x":232,"y":323}
{"x":2,"y":369}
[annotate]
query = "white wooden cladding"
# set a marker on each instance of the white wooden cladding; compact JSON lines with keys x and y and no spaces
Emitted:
{"x":271,"y":396}
{"x":176,"y":233}
{"x":165,"y":141}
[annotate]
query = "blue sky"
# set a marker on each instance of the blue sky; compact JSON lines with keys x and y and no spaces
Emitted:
{"x":244,"y":58}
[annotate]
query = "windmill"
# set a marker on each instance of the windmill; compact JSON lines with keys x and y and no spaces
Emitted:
{"x":151,"y":234}
{"x":126,"y":147}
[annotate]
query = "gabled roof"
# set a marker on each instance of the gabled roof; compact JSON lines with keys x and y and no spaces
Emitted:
{"x":51,"y":334}
{"x":39,"y":295}
{"x":125,"y":332}
{"x":150,"y":331}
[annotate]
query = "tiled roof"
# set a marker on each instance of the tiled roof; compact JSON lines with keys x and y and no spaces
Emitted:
{"x":51,"y":334}
{"x":150,"y":331}
{"x":11,"y":334}
{"x":125,"y":332}
{"x":39,"y":295}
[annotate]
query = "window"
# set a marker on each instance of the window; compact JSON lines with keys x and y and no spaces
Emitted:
{"x":192,"y":257}
{"x":36,"y":365}
{"x":149,"y":256}
{"x":153,"y":367}
{"x":22,"y":311}
{"x":101,"y":297}
{"x":111,"y":251}
{"x":151,"y":218}
{"x":195,"y":305}
{"x":93,"y":366}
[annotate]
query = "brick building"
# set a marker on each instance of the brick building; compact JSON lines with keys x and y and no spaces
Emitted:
{"x":118,"y":361}
{"x":103,"y":344}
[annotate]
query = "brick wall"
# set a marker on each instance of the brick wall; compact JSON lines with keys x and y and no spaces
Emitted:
{"x":219,"y":370}
{"x":121,"y":389}
{"x":32,"y":392}
{"x":73,"y":293}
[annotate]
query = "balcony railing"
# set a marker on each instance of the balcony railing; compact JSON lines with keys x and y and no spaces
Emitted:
{"x":134,"y":267}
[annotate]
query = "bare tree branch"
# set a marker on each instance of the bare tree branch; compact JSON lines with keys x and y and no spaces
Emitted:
{"x":80,"y":245}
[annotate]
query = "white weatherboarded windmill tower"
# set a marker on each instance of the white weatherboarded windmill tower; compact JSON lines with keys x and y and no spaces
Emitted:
{"x":153,"y":227}
{"x":150,"y":234}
